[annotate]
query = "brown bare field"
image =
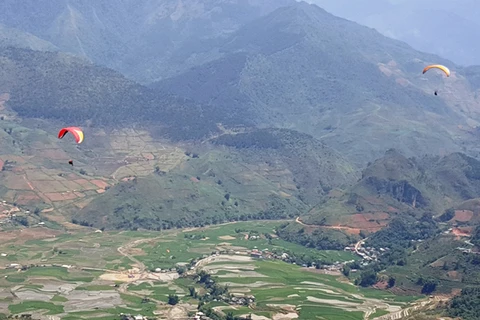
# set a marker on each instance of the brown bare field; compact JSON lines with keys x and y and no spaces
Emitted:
{"x":335,"y":193}
{"x":17,"y":159}
{"x":16,"y":182}
{"x":463,"y":215}
{"x":27,"y":198}
{"x":61,"y":196}
{"x":33,"y":175}
{"x":100,"y":183}
{"x":54,"y":154}
{"x":346,"y":229}
{"x":368,"y":221}
{"x":382,"y":285}
{"x":86,"y":185}
{"x":48,"y":186}
{"x":148,"y":156}
{"x":453,"y":275}
{"x":71,"y":185}
{"x":28,"y":181}
{"x":22,"y":235}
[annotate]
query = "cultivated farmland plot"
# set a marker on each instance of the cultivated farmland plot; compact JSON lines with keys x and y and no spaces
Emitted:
{"x":98,"y":275}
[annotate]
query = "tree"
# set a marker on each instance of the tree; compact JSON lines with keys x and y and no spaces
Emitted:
{"x":447,"y":215}
{"x":173,"y":299}
{"x":476,"y":236}
{"x":181,"y":270}
{"x":230,"y":316}
{"x":192,"y":291}
{"x":429,"y":286}
{"x":368,"y":278}
{"x":22,"y":220}
{"x":391,"y":282}
{"x":346,"y":270}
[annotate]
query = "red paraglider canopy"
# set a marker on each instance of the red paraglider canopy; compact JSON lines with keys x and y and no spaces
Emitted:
{"x":75,"y":131}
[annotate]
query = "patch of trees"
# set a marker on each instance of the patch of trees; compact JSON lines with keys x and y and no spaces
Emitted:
{"x":368,"y":277}
{"x":476,"y":236}
{"x":428,"y":284}
{"x":173,"y":299}
{"x":447,"y":215}
{"x":402,"y":229}
{"x":472,"y":170}
{"x":319,"y":239}
{"x":82,"y":223}
{"x":22,"y":220}
{"x":130,"y":217}
{"x":466,"y":305}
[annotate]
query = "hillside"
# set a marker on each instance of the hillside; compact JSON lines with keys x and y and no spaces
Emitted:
{"x":395,"y":185}
{"x":45,"y":91}
{"x":419,"y":23}
{"x":147,"y":40}
{"x":420,"y":216}
{"x":334,"y":79}
{"x":316,"y":168}
{"x":262,"y":181}
{"x":356,"y":90}
{"x":58,"y":86}
{"x":10,"y":37}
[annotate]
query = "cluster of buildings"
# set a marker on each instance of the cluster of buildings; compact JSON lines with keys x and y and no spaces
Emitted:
{"x":241,"y":299}
{"x":468,"y":250}
{"x":367,"y":253}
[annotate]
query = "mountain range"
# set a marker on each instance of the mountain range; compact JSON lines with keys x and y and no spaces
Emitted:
{"x":146,"y":41}
{"x":202,"y":112}
{"x":295,"y":67}
{"x":284,"y":97}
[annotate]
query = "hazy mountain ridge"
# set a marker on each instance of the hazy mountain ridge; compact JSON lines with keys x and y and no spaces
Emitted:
{"x":145,"y":40}
{"x":444,"y":27}
{"x":55,"y":85}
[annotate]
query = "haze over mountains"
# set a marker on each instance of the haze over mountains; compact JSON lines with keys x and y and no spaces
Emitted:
{"x":445,"y":27}
{"x":145,"y":40}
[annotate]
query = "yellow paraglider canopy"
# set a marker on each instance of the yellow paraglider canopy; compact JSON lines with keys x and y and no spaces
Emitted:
{"x":437,"y":66}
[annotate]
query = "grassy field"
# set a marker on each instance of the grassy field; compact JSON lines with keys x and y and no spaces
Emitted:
{"x":183,"y":246}
{"x":90,"y":275}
